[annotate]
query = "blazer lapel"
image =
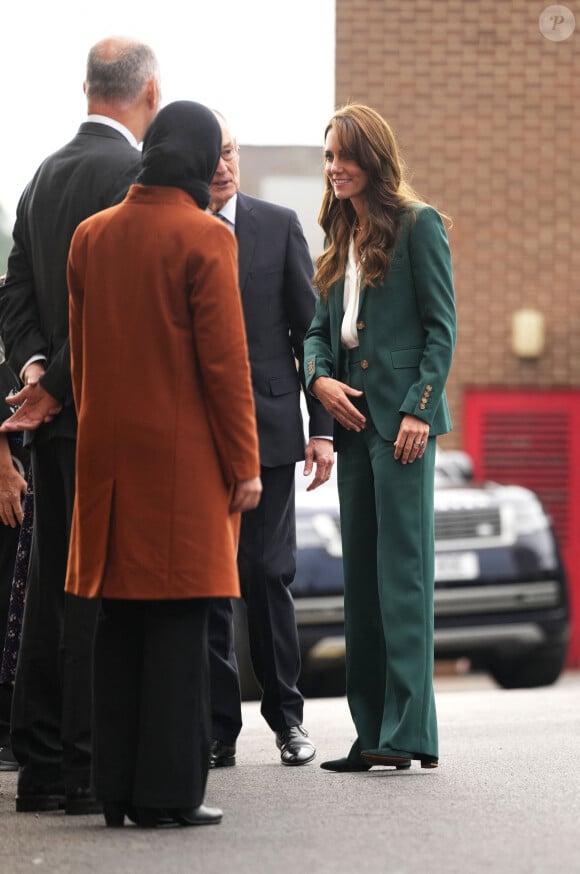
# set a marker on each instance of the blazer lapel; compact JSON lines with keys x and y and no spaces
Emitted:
{"x":336,"y":314}
{"x":403,"y":242}
{"x":246,"y":234}
{"x":361,"y":298}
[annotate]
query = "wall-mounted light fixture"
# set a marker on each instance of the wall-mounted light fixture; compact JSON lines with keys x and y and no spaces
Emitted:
{"x":528,"y":333}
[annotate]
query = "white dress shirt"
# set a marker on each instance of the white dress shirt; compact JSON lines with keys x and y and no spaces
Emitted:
{"x":111,"y":122}
{"x":228,"y":212}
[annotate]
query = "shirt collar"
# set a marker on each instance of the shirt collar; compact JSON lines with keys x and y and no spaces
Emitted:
{"x":228,"y":210}
{"x":111,"y":122}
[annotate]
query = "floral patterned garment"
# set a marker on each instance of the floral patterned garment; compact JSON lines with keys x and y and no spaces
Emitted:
{"x":16,"y":608}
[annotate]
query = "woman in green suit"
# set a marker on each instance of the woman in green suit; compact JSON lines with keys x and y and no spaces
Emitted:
{"x":377,"y":356}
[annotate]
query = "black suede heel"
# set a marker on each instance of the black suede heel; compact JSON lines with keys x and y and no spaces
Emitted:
{"x":388,"y":758}
{"x":148,"y":817}
{"x":345,"y":765}
{"x":428,"y":761}
{"x":114,"y":812}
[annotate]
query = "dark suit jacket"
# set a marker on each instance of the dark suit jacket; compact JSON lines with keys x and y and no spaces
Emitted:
{"x":83,"y":177}
{"x":406,"y":330}
{"x":275,"y":273}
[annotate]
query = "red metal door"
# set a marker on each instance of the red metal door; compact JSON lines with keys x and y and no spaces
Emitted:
{"x":531,"y":437}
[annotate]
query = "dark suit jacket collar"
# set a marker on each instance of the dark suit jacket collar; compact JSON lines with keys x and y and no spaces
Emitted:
{"x":247,"y":235}
{"x":97,"y":129}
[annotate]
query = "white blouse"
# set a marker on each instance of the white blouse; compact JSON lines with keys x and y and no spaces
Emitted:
{"x":349,"y":333}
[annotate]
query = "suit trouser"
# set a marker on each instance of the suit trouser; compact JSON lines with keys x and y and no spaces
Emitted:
{"x":51,"y":706}
{"x":151,"y":736}
{"x":267,"y":566}
{"x":386,"y":511}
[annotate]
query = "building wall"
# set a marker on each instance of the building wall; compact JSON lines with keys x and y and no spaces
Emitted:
{"x":291,"y":176}
{"x":485,"y":110}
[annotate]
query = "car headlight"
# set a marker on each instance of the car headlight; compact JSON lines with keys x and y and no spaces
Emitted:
{"x":319,"y":531}
{"x":527,"y":515}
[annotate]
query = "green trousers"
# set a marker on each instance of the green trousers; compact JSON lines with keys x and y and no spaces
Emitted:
{"x":387,"y":524}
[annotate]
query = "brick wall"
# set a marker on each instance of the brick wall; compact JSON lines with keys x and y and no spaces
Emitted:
{"x":486,"y":112}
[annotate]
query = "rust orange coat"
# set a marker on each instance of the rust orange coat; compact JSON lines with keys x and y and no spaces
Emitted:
{"x":166,"y":419}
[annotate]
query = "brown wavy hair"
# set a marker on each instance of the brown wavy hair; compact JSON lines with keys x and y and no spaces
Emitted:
{"x":364,"y":134}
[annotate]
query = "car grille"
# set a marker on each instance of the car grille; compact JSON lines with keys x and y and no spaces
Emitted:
{"x":455,"y":529}
{"x":467,"y":525}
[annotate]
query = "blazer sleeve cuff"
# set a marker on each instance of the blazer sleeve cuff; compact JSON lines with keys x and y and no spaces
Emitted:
{"x":313,"y":368}
{"x":423,"y":403}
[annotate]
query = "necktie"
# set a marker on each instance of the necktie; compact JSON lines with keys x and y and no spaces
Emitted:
{"x":226,"y":221}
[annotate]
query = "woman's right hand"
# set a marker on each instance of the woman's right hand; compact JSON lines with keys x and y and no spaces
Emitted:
{"x":12,"y":487}
{"x":334,"y":397}
{"x":246,"y":495}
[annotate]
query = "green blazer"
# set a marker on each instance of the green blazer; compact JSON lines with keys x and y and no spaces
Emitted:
{"x":406,"y":329}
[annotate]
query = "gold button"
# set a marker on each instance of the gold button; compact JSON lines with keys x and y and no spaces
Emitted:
{"x":429,"y":387}
{"x":360,"y":326}
{"x":422,"y":406}
{"x":424,"y":399}
{"x":364,"y":364}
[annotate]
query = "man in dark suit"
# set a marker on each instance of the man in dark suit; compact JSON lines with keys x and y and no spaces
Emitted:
{"x":275,"y":272}
{"x":51,"y":710}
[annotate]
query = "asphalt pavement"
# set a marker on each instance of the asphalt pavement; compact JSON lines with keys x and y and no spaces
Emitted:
{"x":506,"y":798}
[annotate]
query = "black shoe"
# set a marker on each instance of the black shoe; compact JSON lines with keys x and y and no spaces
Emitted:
{"x":201,"y":815}
{"x":294,"y":746}
{"x":81,"y":801}
{"x":401,"y":760}
{"x":116,"y":811}
{"x":151,"y":817}
{"x":39,"y":797}
{"x":222,"y":755}
{"x":158,"y":817}
{"x":7,"y":759}
{"x":345,"y":765}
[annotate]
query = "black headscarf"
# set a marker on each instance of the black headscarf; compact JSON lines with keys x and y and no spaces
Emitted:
{"x":182,"y":149}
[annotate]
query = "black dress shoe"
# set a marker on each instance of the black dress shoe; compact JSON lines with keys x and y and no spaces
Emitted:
{"x":294,"y":745}
{"x":158,"y":817}
{"x":39,"y":797}
{"x":7,"y":760}
{"x":222,"y":755}
{"x":81,"y":801}
{"x":201,"y":815}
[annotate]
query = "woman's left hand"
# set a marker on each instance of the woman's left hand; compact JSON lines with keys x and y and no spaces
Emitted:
{"x":411,"y":440}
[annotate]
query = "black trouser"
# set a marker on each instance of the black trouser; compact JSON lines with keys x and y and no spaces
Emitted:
{"x":51,"y":707}
{"x":151,"y":735}
{"x":267,"y":565}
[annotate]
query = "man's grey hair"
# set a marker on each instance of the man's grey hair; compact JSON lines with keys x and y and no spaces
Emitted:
{"x":120,"y":76}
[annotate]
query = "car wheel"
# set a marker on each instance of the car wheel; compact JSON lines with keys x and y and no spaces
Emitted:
{"x":540,"y":668}
{"x":249,"y":686}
